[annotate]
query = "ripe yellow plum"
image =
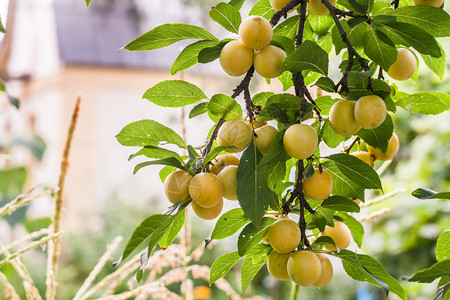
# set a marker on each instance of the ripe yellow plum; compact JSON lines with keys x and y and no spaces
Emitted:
{"x":435,"y":3}
{"x":277,"y":265}
{"x":255,"y":32}
{"x":228,"y":178}
{"x":340,"y":234}
{"x":342,"y":118}
{"x":236,"y":58}
{"x":365,"y":157}
{"x":318,"y":186}
{"x":391,"y":151}
{"x":221,"y":162}
{"x":236,"y":133}
{"x":279,"y":4}
{"x":304,"y":268}
{"x":207,"y":213}
{"x":370,"y":111}
{"x":265,"y":136}
{"x":318,"y":8}
{"x":300,"y":141}
{"x":176,"y":186}
{"x":268,"y":61}
{"x":284,"y":235}
{"x":404,"y":67}
{"x":326,"y":271}
{"x":256,"y":124}
{"x":206,"y":189}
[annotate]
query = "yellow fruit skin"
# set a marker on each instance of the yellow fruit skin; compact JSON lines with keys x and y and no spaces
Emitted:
{"x":265,"y":136}
{"x":304,"y":268}
{"x":176,"y":186}
{"x":206,"y":189}
{"x":236,"y":58}
{"x":268,"y":61}
{"x":318,"y":8}
{"x":300,"y":141}
{"x":404,"y":67}
{"x":207,"y":213}
{"x":255,"y":32}
{"x":365,"y":157}
{"x":279,"y":4}
{"x":318,"y":186}
{"x":326,"y":272}
{"x":435,"y":3}
{"x":221,"y":162}
{"x":342,"y":118}
{"x":340,"y":234}
{"x":257,"y":124}
{"x":228,"y":178}
{"x":235,"y":133}
{"x":277,"y":265}
{"x":370,"y":111}
{"x":284,"y":235}
{"x":391,"y":151}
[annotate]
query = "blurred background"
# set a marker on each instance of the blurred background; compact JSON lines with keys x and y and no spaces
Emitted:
{"x":57,"y":50}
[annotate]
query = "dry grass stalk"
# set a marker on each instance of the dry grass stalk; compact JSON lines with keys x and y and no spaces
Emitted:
{"x":55,"y":244}
{"x":375,"y":215}
{"x":383,"y":197}
{"x":23,"y":200}
{"x":156,"y":291}
{"x":26,"y":238}
{"x":8,"y":290}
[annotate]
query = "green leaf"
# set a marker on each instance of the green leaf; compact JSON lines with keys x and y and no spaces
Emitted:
{"x":324,"y":240}
{"x":283,"y":108}
{"x":262,"y":8}
{"x":326,"y":84}
{"x":439,"y":269}
{"x":325,"y":103}
{"x":237,"y":3}
{"x":253,"y":191}
{"x":148,"y":133}
{"x":174,"y":93}
{"x":358,"y":87}
{"x":431,"y":19}
{"x":340,"y":203}
{"x":88,"y":2}
{"x":287,"y":28}
{"x":210,"y":54}
{"x":380,"y":48}
{"x":276,"y":152}
{"x":261,"y":98}
{"x":428,"y":103}
{"x":224,"y":107}
{"x":423,"y":193}
{"x":173,"y":230}
{"x":199,"y":109}
{"x":166,"y":171}
{"x":229,"y":223}
{"x":309,"y":56}
{"x":169,"y":161}
{"x":378,"y":137}
{"x":436,"y":65}
{"x":2,"y":28}
{"x":253,"y":262}
{"x":443,"y":246}
{"x":354,"y":34}
{"x":214,"y":152}
{"x":227,"y":16}
{"x":251,"y":235}
{"x":167,"y":34}
{"x":189,"y":56}
{"x":156,"y":152}
{"x":342,"y":186}
{"x":320,"y":24}
{"x":323,"y":217}
{"x":356,"y":229}
{"x":222,"y":265}
{"x":357,"y":170}
{"x":284,"y":43}
{"x":329,"y":136}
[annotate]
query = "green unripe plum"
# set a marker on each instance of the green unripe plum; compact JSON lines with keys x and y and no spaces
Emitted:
{"x":404,"y":67}
{"x":304,"y":268}
{"x":370,"y":111}
{"x":326,"y":272}
{"x":318,"y":8}
{"x":221,"y":162}
{"x":176,"y":186}
{"x":300,"y":141}
{"x":318,"y":186}
{"x":365,"y":157}
{"x":236,"y":133}
{"x":435,"y":3}
{"x":207,"y":213}
{"x":277,"y":265}
{"x":340,"y":234}
{"x":236,"y":58}
{"x":391,"y":151}
{"x":265,"y":136}
{"x":284,"y":235}
{"x":268,"y":61}
{"x":206,"y":190}
{"x":342,"y":118}
{"x":228,"y":178}
{"x":255,"y":32}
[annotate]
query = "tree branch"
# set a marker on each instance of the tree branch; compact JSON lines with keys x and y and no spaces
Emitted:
{"x":283,"y":12}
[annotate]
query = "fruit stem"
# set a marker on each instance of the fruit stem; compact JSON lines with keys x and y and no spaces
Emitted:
{"x":294,"y":291}
{"x":349,"y":148}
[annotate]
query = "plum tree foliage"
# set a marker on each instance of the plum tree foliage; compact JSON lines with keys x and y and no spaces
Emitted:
{"x":279,"y":169}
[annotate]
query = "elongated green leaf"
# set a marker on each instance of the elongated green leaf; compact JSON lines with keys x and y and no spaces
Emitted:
{"x":236,"y":3}
{"x":436,"y":65}
{"x":222,"y":265}
{"x":214,"y":152}
{"x":355,"y":227}
{"x":326,"y":84}
{"x":443,"y":246}
{"x":320,"y":24}
{"x":166,"y":171}
{"x":325,"y":103}
{"x":428,"y":103}
{"x":210,"y":54}
{"x":341,"y":184}
{"x":189,"y":56}
{"x":439,"y":269}
{"x":378,"y":137}
{"x":156,"y":152}
{"x":340,"y":203}
{"x":276,"y":152}
{"x":2,"y":28}
{"x":423,"y":193}
{"x":284,"y":108}
{"x":224,"y":107}
{"x":198,"y":110}
{"x":262,"y":8}
{"x":169,"y":161}
{"x":173,"y":230}
{"x":227,"y":16}
{"x":229,"y":223}
{"x":309,"y":56}
{"x":287,"y":28}
{"x":251,"y":235}
{"x":174,"y":93}
{"x":167,"y":34}
{"x":253,"y":262}
{"x":380,"y":48}
{"x":261,"y":98}
{"x":354,"y":34}
{"x":148,"y":133}
{"x":329,"y":136}
{"x":324,"y":240}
